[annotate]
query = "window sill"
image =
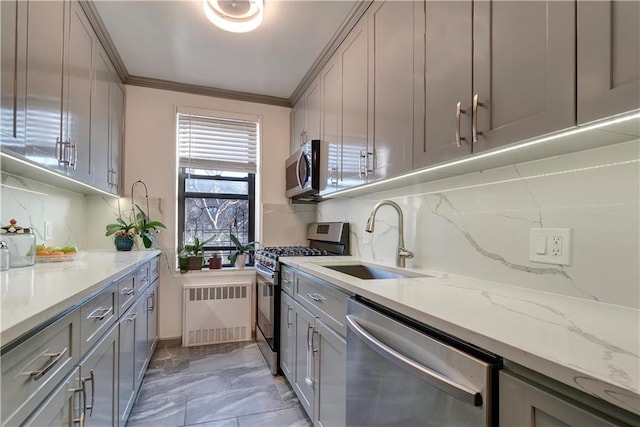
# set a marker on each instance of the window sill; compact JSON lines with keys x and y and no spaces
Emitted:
{"x":226,"y":271}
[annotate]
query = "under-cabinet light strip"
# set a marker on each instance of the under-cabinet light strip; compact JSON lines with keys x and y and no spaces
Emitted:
{"x":66,"y":178}
{"x":489,"y":154}
{"x":23,"y":189}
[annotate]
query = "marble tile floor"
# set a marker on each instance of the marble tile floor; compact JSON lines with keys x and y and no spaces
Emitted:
{"x":222,"y":385}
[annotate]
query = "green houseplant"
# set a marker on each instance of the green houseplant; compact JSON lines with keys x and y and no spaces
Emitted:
{"x":194,"y":253}
{"x":238,"y":256}
{"x":126,"y":231}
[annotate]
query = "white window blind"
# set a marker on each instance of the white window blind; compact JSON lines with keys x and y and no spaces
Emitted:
{"x":217,"y":143}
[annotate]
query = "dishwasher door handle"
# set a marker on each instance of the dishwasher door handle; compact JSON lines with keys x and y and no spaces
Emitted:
{"x":439,"y":381}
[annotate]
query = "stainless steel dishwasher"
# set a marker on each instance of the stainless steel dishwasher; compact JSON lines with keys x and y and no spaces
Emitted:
{"x":401,"y":373}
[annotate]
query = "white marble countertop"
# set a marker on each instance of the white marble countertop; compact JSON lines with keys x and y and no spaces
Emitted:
{"x":588,"y":345}
{"x":32,"y":295}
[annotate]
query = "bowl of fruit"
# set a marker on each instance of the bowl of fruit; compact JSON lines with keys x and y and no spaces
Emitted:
{"x":56,"y":253}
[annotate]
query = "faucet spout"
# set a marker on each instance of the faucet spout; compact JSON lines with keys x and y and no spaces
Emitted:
{"x":402,"y":253}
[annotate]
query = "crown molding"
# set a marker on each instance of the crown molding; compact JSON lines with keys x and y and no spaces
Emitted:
{"x":354,"y":15}
{"x":206,"y":91}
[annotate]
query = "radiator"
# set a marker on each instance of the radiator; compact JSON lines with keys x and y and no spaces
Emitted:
{"x":216,"y":313}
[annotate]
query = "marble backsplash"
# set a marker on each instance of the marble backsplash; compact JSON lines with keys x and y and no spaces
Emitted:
{"x":32,"y":203}
{"x":478,"y":224}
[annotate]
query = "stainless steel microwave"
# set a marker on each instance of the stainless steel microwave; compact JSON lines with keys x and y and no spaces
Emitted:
{"x":303,"y":173}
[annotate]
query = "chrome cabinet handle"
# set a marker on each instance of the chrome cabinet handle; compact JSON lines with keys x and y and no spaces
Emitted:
{"x":370,"y":164}
{"x":316,"y":297}
{"x":73,"y":154}
{"x":59,"y":150}
{"x":91,"y":378}
{"x":54,"y":359}
{"x":361,"y":173}
{"x":459,"y":111}
{"x":307,"y":379}
{"x":436,"y":379}
{"x":127,"y":291}
{"x":132,"y":317}
{"x":289,"y":323}
{"x":103,"y":313}
{"x":83,"y":393}
{"x":334,"y":176}
{"x":474,"y":114}
{"x":153,"y":305}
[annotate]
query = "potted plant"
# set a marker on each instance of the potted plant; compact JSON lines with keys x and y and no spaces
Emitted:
{"x":215,"y":262}
{"x":239,"y":255}
{"x":194,"y":254}
{"x":126,"y":231}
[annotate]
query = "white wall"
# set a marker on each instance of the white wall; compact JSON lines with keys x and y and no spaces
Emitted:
{"x":478,"y":224}
{"x":150,"y":156}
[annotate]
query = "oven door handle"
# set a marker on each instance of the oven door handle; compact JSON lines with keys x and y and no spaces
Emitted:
{"x":436,"y":379}
{"x":266,"y":273}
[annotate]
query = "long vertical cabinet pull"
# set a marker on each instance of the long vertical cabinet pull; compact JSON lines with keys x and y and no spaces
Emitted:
{"x":91,"y":378}
{"x":308,"y":379}
{"x":83,"y":395}
{"x":474,"y":113}
{"x":459,"y":111}
{"x":289,"y":310}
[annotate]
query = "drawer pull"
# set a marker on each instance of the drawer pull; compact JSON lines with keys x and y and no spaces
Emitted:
{"x":99,"y":313}
{"x":127,"y":291}
{"x":91,"y":378}
{"x":316,"y":297}
{"x":55,"y":358}
{"x":132,"y":317}
{"x":83,"y":393}
{"x":151,"y":298}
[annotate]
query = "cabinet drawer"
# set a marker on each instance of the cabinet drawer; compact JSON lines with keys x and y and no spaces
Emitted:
{"x":127,"y":292}
{"x":142,"y":277}
{"x":154,"y":269}
{"x":323,"y":300}
{"x":34,"y":368}
{"x":96,"y":316}
{"x":286,"y":279}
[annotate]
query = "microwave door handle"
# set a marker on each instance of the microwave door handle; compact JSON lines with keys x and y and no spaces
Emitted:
{"x":300,"y":158}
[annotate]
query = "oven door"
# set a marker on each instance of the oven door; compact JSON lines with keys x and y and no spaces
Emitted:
{"x":268,"y":305}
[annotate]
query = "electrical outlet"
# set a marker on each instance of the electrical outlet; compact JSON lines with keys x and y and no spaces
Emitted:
{"x":48,"y":230}
{"x":550,"y":245}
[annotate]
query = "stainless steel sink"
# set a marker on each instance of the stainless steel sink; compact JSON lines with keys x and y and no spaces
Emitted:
{"x":367,"y":272}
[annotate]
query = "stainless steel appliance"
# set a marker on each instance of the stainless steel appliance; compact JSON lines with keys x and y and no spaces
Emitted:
{"x":401,"y":373}
{"x":304,"y":172}
{"x":325,"y":239}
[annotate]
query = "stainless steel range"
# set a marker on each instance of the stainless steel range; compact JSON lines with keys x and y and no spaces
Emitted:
{"x":325,"y":239}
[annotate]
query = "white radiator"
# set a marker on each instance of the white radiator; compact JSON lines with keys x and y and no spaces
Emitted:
{"x":216,"y":313}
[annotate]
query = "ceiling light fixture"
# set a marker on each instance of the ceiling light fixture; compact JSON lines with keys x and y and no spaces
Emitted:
{"x":236,"y":16}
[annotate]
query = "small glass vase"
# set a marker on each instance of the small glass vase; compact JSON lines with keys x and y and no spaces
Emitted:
{"x":123,"y":243}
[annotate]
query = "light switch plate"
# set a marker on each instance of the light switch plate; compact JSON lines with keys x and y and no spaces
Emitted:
{"x":550,"y":245}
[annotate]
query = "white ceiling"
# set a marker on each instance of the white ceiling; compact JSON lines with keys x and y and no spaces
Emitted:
{"x":174,"y":41}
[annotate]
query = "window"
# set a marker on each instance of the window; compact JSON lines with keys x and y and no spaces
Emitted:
{"x":216,"y":181}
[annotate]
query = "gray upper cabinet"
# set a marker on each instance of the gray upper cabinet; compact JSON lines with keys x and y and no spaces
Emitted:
{"x":12,"y":75}
{"x":448,"y":75}
{"x":353,"y":59}
{"x":77,"y":86}
{"x":44,"y":93}
{"x":330,"y":129}
{"x":523,"y":70}
{"x":116,"y":133}
{"x":313,"y":105}
{"x":100,"y":120}
{"x":608,"y":58}
{"x":391,"y":88}
{"x":298,"y":124}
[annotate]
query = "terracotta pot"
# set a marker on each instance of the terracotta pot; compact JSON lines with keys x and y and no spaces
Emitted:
{"x":215,"y":263}
{"x":195,"y":263}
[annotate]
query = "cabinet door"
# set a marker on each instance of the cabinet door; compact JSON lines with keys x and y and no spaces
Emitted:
{"x":313,"y":105}
{"x":116,"y":132}
{"x":391,"y":78}
{"x":523,"y":404}
{"x":99,"y":372}
{"x":77,"y":111}
{"x":330,"y":133}
{"x":608,"y":58}
{"x":304,"y":375}
{"x":298,"y":124}
{"x":12,"y":75}
{"x":331,"y":394}
{"x":126,"y":363}
{"x":447,"y":82}
{"x":287,"y":336}
{"x":152,"y":318}
{"x":63,"y":407}
{"x":523,"y":70}
{"x":141,"y":338}
{"x":45,"y":35}
{"x":100,"y":104}
{"x":353,"y":59}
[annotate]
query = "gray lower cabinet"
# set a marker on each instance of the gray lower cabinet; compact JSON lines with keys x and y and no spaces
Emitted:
{"x":304,"y":371}
{"x":331,"y":360}
{"x":526,"y":404}
{"x":287,"y":336}
{"x":127,"y":376}
{"x":99,"y":371}
{"x":608,"y":58}
{"x":64,"y":407}
{"x":140,"y":351}
{"x":151,"y":298}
